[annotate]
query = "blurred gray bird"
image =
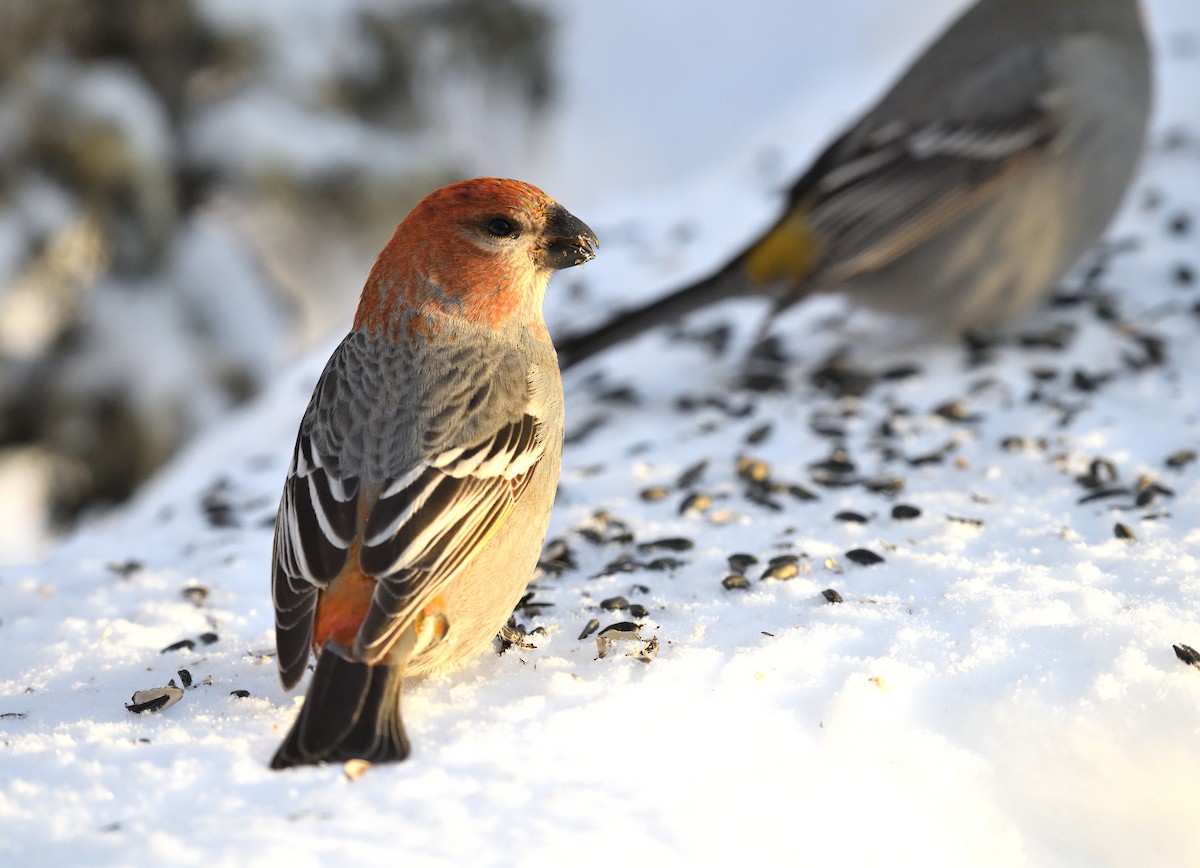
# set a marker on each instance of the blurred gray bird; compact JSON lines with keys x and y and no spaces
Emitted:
{"x":985,"y":172}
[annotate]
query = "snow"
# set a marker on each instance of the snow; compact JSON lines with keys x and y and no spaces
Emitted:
{"x":1001,"y":689}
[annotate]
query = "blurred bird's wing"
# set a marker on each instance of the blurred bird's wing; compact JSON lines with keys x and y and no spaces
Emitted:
{"x":891,"y":183}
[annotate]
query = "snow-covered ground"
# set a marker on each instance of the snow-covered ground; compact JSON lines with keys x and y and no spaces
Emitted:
{"x":1001,"y":688}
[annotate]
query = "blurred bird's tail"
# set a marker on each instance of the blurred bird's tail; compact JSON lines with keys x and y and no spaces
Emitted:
{"x":351,"y":711}
{"x":777,"y":265}
{"x":730,"y":282}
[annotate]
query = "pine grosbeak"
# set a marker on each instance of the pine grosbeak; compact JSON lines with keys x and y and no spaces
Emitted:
{"x":422,"y":479}
{"x":989,"y":167}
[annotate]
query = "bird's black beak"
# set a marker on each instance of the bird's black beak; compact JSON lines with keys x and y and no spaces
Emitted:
{"x":568,"y":240}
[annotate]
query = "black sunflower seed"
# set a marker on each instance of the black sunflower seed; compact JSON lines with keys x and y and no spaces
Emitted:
{"x":698,"y":502}
{"x":692,"y":475}
{"x":671,"y":544}
{"x":1181,"y":458}
{"x":664,"y":564}
{"x":739,"y":562}
{"x":1187,"y":654}
{"x":759,"y":434}
{"x":863,"y":557}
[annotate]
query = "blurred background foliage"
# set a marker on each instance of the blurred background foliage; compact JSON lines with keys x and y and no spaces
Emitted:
{"x":191,"y":192}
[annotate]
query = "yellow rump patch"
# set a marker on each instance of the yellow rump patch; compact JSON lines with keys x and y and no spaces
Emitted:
{"x":788,"y":252}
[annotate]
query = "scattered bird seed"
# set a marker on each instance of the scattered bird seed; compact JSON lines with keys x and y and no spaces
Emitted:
{"x":355,"y":768}
{"x":1181,"y":458}
{"x":837,"y":464}
{"x":885,"y":485}
{"x":961,"y":519}
{"x":195,"y":594}
{"x":619,"y":395}
{"x":614,"y":604}
{"x":900,"y":372}
{"x":1124,"y":531}
{"x":637,"y":610}
{"x":623,"y":564}
{"x":758,"y":495}
{"x":832,"y":565}
{"x":692,"y":475}
{"x":753,"y":469}
{"x":557,"y":558}
{"x":1084,"y":382}
{"x":625,"y":631}
{"x":655,"y":494}
{"x":905,"y":512}
{"x":601,"y":528}
{"x":217,"y":505}
{"x":671,"y":544}
{"x":954,"y":411}
{"x":832,"y":596}
{"x":1187,"y":654}
{"x":1100,"y":471}
{"x":740,"y":561}
{"x":782,"y":571}
{"x":735,"y":583}
{"x":697,"y":503}
{"x":863,"y":557}
{"x":591,"y":627}
{"x":1105,"y":493}
{"x":125,"y":569}
{"x":185,"y":678}
{"x":647,"y":651}
{"x":181,"y":645}
{"x":664,"y":564}
{"x":529,"y":606}
{"x":208,"y":638}
{"x":240,"y":694}
{"x":800,"y":492}
{"x":847,"y":515}
{"x":759,"y":434}
{"x":154,"y":699}
{"x":516,"y":635}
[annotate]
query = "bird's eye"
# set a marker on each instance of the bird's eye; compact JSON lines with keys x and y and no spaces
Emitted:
{"x":501,"y":228}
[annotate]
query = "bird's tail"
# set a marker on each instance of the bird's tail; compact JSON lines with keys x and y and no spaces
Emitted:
{"x":777,"y":265}
{"x":351,"y":711}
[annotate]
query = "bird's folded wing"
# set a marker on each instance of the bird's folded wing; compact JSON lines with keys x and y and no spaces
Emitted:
{"x":889,"y":184}
{"x":314,"y":530}
{"x":431,"y":521}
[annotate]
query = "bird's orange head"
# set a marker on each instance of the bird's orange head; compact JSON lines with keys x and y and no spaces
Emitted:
{"x":482,"y":250}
